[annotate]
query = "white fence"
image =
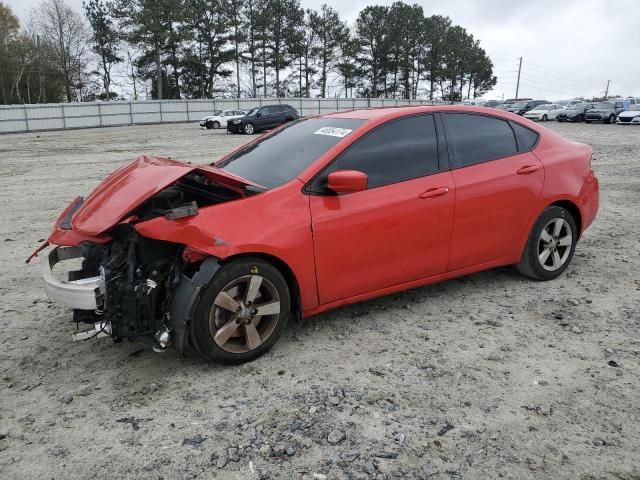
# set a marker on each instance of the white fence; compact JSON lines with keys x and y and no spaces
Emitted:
{"x":58,"y":116}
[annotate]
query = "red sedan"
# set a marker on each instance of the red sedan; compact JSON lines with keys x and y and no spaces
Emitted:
{"x":323,"y":212}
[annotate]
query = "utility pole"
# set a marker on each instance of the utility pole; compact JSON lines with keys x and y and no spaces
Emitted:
{"x":606,"y":92}
{"x":518,"y":84}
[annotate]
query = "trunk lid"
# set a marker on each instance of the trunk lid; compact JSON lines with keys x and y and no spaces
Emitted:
{"x":132,"y":184}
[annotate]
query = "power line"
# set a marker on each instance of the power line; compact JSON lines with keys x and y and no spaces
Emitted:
{"x":589,"y":79}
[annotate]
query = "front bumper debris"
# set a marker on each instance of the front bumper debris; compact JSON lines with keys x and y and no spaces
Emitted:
{"x":82,"y":294}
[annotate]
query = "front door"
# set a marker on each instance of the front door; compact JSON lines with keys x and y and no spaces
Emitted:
{"x":396,"y":231}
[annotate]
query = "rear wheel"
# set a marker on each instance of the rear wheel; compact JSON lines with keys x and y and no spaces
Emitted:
{"x":612,"y":119}
{"x":242,"y":312}
{"x":248,"y":129}
{"x":550,"y":245}
{"x":580,"y":119}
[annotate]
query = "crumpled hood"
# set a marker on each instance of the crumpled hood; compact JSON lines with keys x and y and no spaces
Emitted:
{"x":129,"y":186}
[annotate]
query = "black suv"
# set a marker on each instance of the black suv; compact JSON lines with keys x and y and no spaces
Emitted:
{"x":263,"y":118}
{"x":606,"y":112}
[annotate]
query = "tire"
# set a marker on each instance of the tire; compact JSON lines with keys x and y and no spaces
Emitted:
{"x":215,"y":125}
{"x":545,"y":118}
{"x":223,"y":336}
{"x":612,"y":120}
{"x":249,"y":129}
{"x":587,"y":121}
{"x":547,"y":253}
{"x":580,"y":119}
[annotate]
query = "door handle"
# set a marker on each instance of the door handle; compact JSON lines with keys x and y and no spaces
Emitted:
{"x":527,"y":169}
{"x":434,"y":192}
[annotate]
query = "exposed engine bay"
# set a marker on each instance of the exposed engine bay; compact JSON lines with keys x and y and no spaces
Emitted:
{"x":138,"y":277}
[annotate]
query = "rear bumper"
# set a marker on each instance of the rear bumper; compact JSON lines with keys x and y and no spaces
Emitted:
{"x":83,"y":294}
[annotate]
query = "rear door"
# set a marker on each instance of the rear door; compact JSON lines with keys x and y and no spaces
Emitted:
{"x":498,"y":182}
{"x":395,"y":231}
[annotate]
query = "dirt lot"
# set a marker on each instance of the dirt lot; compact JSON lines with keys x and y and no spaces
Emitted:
{"x":489,"y":376}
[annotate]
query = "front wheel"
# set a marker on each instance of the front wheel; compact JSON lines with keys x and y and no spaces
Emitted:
{"x":216,"y":125}
{"x":545,"y":118}
{"x":248,"y":129}
{"x":612,"y":119}
{"x":242,"y":312}
{"x":550,"y":245}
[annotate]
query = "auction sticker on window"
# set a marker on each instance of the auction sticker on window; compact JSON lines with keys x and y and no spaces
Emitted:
{"x":333,"y":132}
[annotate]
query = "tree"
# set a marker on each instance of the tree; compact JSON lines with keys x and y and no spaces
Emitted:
{"x":64,"y":31}
{"x":347,"y":64}
{"x":208,"y":22}
{"x":106,"y":38}
{"x":238,"y":35}
{"x":371,"y":31}
{"x":436,"y":28}
{"x":9,"y":28}
{"x":145,"y":25}
{"x":330,"y":31}
{"x":280,"y":34}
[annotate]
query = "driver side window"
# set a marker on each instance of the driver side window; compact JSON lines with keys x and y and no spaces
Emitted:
{"x":397,"y":151}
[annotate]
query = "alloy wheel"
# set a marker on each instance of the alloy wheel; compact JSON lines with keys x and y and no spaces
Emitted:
{"x":244,"y":314}
{"x":554,"y":244}
{"x":248,"y":129}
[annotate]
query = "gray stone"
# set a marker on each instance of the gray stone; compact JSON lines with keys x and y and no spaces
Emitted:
{"x":335,"y":437}
{"x":350,"y":455}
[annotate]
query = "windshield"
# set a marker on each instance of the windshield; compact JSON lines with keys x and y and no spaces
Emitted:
{"x":634,"y":108}
{"x":216,"y":113}
{"x":252,"y":112}
{"x":543,"y":107}
{"x":519,"y":105}
{"x":604,"y":105}
{"x":278,"y":158}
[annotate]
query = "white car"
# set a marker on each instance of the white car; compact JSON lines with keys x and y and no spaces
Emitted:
{"x":220,"y":118}
{"x":548,"y":111}
{"x":630,"y":116}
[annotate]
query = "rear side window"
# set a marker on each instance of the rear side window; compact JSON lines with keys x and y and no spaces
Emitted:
{"x":474,"y":139}
{"x":394,"y":152}
{"x":526,"y":138}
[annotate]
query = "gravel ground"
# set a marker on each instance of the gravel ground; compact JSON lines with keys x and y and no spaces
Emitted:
{"x":489,"y":376}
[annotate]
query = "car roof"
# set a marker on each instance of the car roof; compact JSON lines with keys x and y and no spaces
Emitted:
{"x":385,"y":113}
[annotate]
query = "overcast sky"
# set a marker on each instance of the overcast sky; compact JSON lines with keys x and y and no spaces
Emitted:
{"x":570,"y":47}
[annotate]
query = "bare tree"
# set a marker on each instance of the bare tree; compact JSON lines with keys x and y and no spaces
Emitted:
{"x":64,"y":30}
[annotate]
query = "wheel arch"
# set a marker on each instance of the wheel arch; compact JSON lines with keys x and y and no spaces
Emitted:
{"x":573,"y":209}
{"x":285,"y":270}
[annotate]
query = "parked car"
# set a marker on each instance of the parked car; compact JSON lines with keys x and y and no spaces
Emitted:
{"x":263,"y":118}
{"x":570,"y":103}
{"x":630,"y":116}
{"x":544,"y":112}
{"x":220,"y":118}
{"x":606,"y":112}
{"x":575,"y":113}
{"x":491,"y":104}
{"x":324,"y":212}
{"x":520,"y":108}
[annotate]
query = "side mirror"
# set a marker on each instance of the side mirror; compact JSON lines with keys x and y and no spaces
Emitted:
{"x":258,"y":115}
{"x":347,"y":181}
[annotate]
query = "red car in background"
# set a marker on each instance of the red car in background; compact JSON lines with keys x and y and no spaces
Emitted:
{"x":323,"y":212}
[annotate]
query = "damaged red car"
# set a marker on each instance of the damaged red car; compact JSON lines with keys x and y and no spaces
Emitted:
{"x":323,"y":212}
